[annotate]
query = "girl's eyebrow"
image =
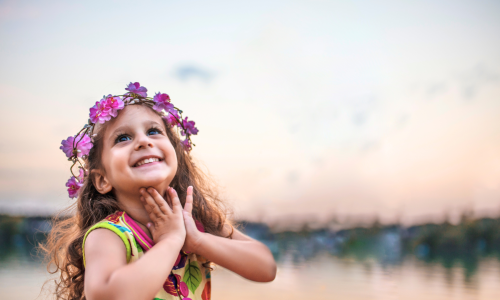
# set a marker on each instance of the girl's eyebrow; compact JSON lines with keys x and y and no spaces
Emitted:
{"x":118,"y":131}
{"x":151,"y":122}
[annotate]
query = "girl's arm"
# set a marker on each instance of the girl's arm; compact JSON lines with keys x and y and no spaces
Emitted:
{"x":241,"y":254}
{"x":107,"y":274}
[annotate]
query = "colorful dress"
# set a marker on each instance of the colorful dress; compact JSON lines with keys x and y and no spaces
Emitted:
{"x":189,"y":279}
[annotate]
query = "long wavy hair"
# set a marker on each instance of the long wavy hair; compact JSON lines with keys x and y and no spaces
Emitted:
{"x":63,"y":248}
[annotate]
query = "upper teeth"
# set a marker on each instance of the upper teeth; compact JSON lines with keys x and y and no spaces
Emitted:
{"x":147,"y":161}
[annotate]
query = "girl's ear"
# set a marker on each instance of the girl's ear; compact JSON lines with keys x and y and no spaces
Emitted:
{"x":101,"y":183}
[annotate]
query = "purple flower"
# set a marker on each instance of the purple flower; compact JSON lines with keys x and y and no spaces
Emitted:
{"x":172,"y":118}
{"x":188,"y":127}
{"x":180,"y":262}
{"x":162,"y":101}
{"x":100,"y":112}
{"x":114,"y":104}
{"x":83,"y":145}
{"x":136,"y":88}
{"x":67,"y":146}
{"x":186,"y":144}
{"x":73,"y":187}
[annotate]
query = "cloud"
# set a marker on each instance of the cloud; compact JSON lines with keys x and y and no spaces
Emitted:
{"x":187,"y":72}
{"x":476,"y":77}
{"x":29,"y":10}
{"x":480,"y":74}
{"x":12,"y":10}
{"x":436,"y":88}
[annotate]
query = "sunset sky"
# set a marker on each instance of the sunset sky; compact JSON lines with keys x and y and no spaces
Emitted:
{"x":306,"y":109}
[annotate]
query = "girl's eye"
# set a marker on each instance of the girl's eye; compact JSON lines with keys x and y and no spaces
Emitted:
{"x":153,"y":131}
{"x":122,"y":138}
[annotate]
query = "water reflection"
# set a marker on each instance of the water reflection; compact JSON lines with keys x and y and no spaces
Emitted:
{"x":463,"y":245}
{"x":433,"y":261}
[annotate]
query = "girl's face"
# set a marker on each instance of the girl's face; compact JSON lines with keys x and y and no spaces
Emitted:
{"x":137,"y":152}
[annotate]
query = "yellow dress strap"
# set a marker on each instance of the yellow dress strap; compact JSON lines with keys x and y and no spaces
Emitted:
{"x":116,"y":229}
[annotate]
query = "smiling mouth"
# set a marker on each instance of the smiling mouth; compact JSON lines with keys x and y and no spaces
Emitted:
{"x":147,"y":161}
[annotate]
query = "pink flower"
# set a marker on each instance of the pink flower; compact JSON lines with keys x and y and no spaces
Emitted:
{"x":73,"y":187}
{"x":172,"y":118}
{"x":81,"y":176}
{"x":136,"y":88}
{"x":83,"y":144}
{"x":114,"y":104}
{"x":184,"y":289}
{"x":100,"y":112}
{"x":162,"y":101}
{"x":188,"y":127}
{"x":186,"y":144}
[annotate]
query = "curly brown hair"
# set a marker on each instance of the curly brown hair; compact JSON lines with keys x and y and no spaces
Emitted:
{"x":63,"y":247}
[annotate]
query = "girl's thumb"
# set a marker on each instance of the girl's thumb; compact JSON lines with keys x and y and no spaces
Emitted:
{"x":187,"y":216}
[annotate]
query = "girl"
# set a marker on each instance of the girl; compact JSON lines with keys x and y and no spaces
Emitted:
{"x":147,"y":222}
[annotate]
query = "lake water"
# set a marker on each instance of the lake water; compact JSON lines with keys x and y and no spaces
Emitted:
{"x":314,"y":275}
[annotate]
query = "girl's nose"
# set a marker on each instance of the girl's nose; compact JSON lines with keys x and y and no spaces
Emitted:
{"x":143,"y":141}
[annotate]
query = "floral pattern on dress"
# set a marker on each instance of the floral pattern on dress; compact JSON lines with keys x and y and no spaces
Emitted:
{"x":115,"y":218}
{"x":188,"y":274}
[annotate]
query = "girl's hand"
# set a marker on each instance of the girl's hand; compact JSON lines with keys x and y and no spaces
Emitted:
{"x":193,"y":236}
{"x":167,"y":223}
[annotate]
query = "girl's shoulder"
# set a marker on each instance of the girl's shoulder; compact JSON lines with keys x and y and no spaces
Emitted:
{"x":115,"y":223}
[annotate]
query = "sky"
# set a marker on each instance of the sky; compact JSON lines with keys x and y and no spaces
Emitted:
{"x":307,"y":110}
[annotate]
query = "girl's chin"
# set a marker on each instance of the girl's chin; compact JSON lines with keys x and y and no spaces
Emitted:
{"x":160,"y":181}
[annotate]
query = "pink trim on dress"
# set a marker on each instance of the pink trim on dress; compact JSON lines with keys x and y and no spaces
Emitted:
{"x":140,"y":236}
{"x":143,"y":239}
{"x":199,"y":225}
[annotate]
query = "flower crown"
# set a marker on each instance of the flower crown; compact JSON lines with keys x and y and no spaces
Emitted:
{"x":78,"y":147}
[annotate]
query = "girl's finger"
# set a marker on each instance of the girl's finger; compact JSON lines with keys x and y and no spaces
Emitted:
{"x":189,"y":200}
{"x":151,"y":227}
{"x":162,"y":204}
{"x":147,"y":207}
{"x":154,"y":210}
{"x":168,"y":199}
{"x":176,"y":203}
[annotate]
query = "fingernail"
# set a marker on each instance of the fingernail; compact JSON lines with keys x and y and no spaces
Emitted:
{"x":148,"y":225}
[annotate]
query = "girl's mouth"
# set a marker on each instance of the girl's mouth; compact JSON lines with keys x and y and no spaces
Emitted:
{"x":147,"y":161}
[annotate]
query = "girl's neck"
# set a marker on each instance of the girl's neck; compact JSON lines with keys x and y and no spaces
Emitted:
{"x":139,"y":215}
{"x":133,"y":206}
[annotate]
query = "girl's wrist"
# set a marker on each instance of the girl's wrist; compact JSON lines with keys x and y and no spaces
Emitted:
{"x":195,"y":246}
{"x":201,"y":243}
{"x":171,"y":242}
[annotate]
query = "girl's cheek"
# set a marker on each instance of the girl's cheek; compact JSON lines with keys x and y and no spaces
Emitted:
{"x":118,"y":160}
{"x":172,"y":159}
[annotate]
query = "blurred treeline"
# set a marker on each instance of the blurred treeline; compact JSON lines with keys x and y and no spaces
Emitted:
{"x":444,"y":243}
{"x":19,"y":236}
{"x":463,"y":244}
